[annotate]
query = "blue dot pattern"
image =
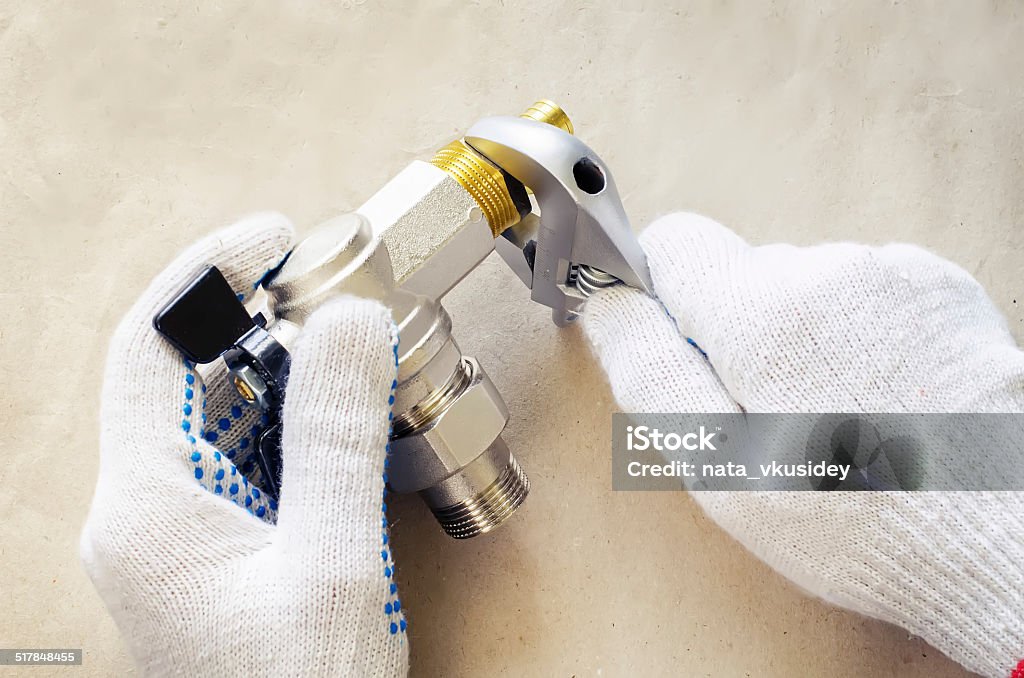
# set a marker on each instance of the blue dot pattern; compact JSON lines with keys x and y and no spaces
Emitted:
{"x":220,"y":469}
{"x":213,"y":470}
{"x":236,"y":423}
{"x":395,"y":620}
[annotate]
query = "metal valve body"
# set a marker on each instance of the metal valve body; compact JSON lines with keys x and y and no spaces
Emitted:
{"x":446,"y":434}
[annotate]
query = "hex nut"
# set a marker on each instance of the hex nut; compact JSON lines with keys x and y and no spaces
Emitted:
{"x":460,"y":434}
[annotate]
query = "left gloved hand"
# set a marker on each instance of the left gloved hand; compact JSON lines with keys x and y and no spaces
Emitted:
{"x":183,"y":549}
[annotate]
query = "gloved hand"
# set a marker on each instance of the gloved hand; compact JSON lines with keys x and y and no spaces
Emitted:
{"x":837,"y":328}
{"x":183,"y":549}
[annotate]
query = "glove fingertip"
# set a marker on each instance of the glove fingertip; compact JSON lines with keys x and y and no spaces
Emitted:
{"x":688,"y":228}
{"x":650,"y":367}
{"x":336,"y":425}
{"x":250,"y":248}
{"x":354,"y":336}
{"x":694,"y":263}
{"x":345,"y":360}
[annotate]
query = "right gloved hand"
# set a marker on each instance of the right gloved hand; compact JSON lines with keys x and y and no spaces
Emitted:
{"x":837,"y":328}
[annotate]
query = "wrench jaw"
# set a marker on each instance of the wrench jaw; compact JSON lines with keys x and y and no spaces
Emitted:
{"x":582,"y":231}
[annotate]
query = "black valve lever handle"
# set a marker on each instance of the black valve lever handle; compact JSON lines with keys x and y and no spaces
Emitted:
{"x":205,"y":318}
{"x":205,"y":321}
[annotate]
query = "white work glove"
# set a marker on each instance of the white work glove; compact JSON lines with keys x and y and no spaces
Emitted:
{"x":837,"y":328}
{"x":185,"y":552}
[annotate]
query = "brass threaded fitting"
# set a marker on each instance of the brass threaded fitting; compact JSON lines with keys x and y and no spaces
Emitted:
{"x":484,"y":181}
{"x":548,"y":111}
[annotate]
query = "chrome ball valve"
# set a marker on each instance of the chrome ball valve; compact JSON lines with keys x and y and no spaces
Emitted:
{"x":524,"y":186}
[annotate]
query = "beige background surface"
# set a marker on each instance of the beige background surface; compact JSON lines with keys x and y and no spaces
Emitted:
{"x":127,"y":132}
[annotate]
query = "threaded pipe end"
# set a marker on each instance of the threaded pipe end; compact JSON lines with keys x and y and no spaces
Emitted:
{"x":482,"y":180}
{"x":489,"y":508}
{"x":485,"y":182}
{"x":549,"y":112}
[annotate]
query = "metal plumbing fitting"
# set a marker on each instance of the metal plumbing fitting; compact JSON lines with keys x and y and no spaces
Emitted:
{"x":446,"y":434}
{"x":524,"y":187}
{"x":503,"y":199}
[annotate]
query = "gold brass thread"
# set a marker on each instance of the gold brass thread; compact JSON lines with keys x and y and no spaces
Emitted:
{"x":548,"y":111}
{"x":484,"y":181}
